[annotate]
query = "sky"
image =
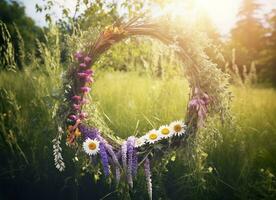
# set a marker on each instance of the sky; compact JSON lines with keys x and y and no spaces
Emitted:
{"x":222,"y":12}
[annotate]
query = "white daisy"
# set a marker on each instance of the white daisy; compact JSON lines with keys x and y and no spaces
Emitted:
{"x":178,"y":128}
{"x":140,"y":141}
{"x":165,"y":131}
{"x":91,"y":147}
{"x":153,"y":136}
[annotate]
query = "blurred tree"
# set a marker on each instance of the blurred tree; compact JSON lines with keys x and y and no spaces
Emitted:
{"x":269,"y":53}
{"x":12,"y":12}
{"x":19,"y":51}
{"x":248,"y":35}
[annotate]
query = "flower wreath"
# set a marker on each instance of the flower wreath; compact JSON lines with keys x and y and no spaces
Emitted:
{"x":208,"y":91}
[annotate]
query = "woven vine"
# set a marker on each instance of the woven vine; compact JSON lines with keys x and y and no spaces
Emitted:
{"x":208,"y":96}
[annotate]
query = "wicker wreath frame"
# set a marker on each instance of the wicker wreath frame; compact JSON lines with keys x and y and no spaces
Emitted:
{"x":123,"y":156}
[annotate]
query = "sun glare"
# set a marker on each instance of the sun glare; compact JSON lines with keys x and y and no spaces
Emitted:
{"x":221,"y":12}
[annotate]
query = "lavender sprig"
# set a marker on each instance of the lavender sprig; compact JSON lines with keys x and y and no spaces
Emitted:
{"x":130,"y":146}
{"x":124,"y":155}
{"x":148,"y":177}
{"x":104,"y":158}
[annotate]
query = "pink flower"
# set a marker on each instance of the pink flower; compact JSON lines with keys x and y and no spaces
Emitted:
{"x":76,"y":98}
{"x":87,"y":60}
{"x":89,"y":80}
{"x":83,"y":65}
{"x":83,"y":75}
{"x":83,"y":115}
{"x":85,"y":89}
{"x":89,"y":71}
{"x":72,"y":117}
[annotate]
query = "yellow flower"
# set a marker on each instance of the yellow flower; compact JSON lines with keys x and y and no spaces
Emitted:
{"x":165,"y":131}
{"x":153,"y":136}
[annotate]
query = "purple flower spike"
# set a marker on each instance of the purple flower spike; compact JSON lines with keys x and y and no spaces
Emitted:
{"x":83,"y":75}
{"x":73,"y":117}
{"x":88,"y":132}
{"x":85,"y":89}
{"x":104,"y":158}
{"x":130,"y":146}
{"x":89,"y":71}
{"x":124,"y":154}
{"x":76,"y":106}
{"x":76,"y":98}
{"x":83,"y":65}
{"x":89,"y":80}
{"x":87,"y":60}
{"x":148,"y":176}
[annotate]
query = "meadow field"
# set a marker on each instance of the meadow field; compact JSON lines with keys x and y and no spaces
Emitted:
{"x":238,"y":162}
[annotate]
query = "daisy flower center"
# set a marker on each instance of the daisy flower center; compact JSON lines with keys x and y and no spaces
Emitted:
{"x":153,"y":136}
{"x":177,"y":128}
{"x":165,"y":131}
{"x":92,"y":146}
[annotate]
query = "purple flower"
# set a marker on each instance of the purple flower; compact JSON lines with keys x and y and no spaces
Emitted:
{"x":200,"y":106}
{"x":148,"y":176}
{"x":124,"y":155}
{"x":88,"y":132}
{"x":73,"y":117}
{"x":89,"y":80}
{"x":89,"y":71}
{"x":87,"y":60}
{"x":76,"y":98}
{"x":83,"y":75}
{"x":130,"y":146}
{"x":85,"y":89}
{"x":104,"y":158}
{"x":83,"y":65}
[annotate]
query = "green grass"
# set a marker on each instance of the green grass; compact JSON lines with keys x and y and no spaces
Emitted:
{"x":237,"y":163}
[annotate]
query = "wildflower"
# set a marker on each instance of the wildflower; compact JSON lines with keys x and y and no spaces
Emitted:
{"x":165,"y":131}
{"x":177,"y":127}
{"x":91,"y":147}
{"x":152,"y":136}
{"x":148,"y":176}
{"x":87,"y":60}
{"x":124,"y":154}
{"x":130,"y":145}
{"x":76,"y":98}
{"x":73,"y":117}
{"x":83,"y":75}
{"x":89,"y":80}
{"x":200,"y":106}
{"x":83,"y":65}
{"x":140,"y":141}
{"x":89,"y":72}
{"x":83,"y":115}
{"x":77,"y":132}
{"x":104,"y":158}
{"x":85,"y":89}
{"x":134,"y":162}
